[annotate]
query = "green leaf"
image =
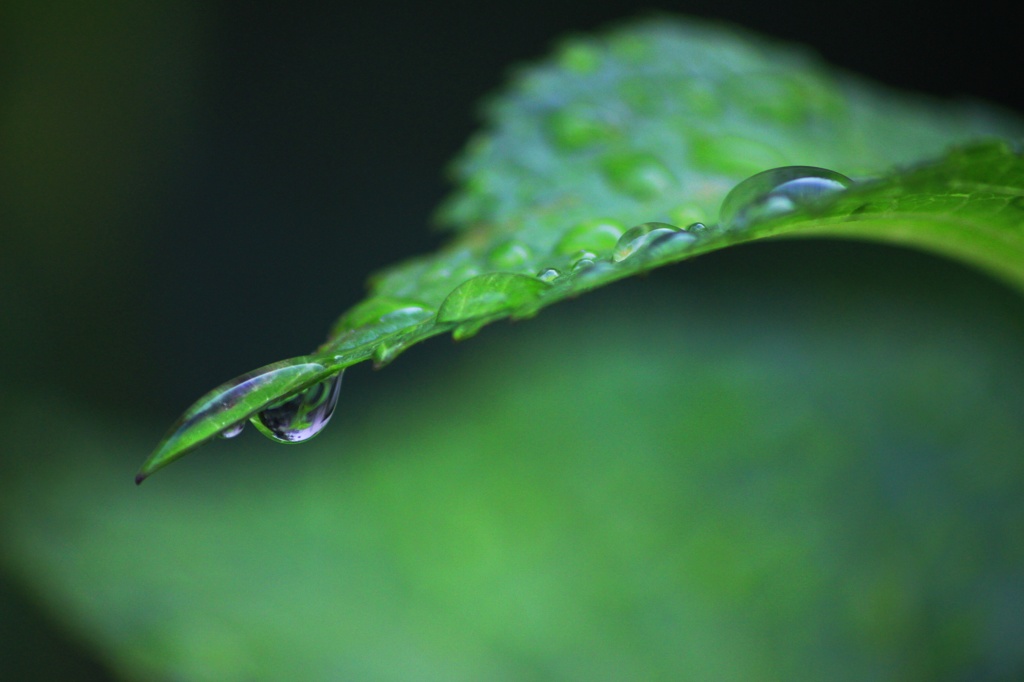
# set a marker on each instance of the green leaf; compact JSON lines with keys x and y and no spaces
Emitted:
{"x":650,"y":126}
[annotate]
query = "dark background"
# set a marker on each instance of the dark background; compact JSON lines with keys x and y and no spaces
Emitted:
{"x":192,"y":190}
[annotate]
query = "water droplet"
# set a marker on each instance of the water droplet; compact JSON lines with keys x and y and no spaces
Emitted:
{"x":732,"y":154}
{"x":596,"y":236}
{"x":548,"y":275}
{"x":222,"y":408}
{"x":582,"y":264}
{"x":233,"y":430}
{"x":302,"y":416}
{"x":510,"y":255}
{"x":595,"y":274}
{"x":672,"y":244}
{"x":778,"y":191}
{"x":580,"y":256}
{"x":489,"y":294}
{"x":642,"y":176}
{"x":637,"y":237}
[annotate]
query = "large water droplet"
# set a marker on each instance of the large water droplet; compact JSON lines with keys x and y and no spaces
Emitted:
{"x":635,"y":238}
{"x":778,"y":191}
{"x":596,"y":236}
{"x":302,"y":416}
{"x":642,"y":176}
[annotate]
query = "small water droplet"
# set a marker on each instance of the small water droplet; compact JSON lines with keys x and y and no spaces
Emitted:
{"x":510,"y":255}
{"x":548,"y":275}
{"x":778,"y":191}
{"x":635,"y":238}
{"x":596,"y":236}
{"x":642,"y":176}
{"x":582,"y":264}
{"x":233,"y":430}
{"x":302,"y":416}
{"x":595,"y":274}
{"x":582,"y":255}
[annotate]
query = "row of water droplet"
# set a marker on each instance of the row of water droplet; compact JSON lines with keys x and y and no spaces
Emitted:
{"x":602,"y":243}
{"x":591,"y":247}
{"x":297,"y":418}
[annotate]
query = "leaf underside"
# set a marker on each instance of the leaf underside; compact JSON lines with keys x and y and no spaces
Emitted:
{"x":655,"y":122}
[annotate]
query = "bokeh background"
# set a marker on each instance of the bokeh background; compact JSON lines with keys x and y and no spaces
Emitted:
{"x":192,"y":190}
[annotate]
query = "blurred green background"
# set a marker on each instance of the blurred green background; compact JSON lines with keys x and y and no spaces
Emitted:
{"x":788,"y":460}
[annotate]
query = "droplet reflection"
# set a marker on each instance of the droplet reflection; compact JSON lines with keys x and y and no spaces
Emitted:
{"x":776,"y":192}
{"x":302,"y":416}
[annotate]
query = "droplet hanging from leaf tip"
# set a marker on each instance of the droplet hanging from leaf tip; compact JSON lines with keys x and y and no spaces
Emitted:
{"x":302,"y":416}
{"x":233,"y":430}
